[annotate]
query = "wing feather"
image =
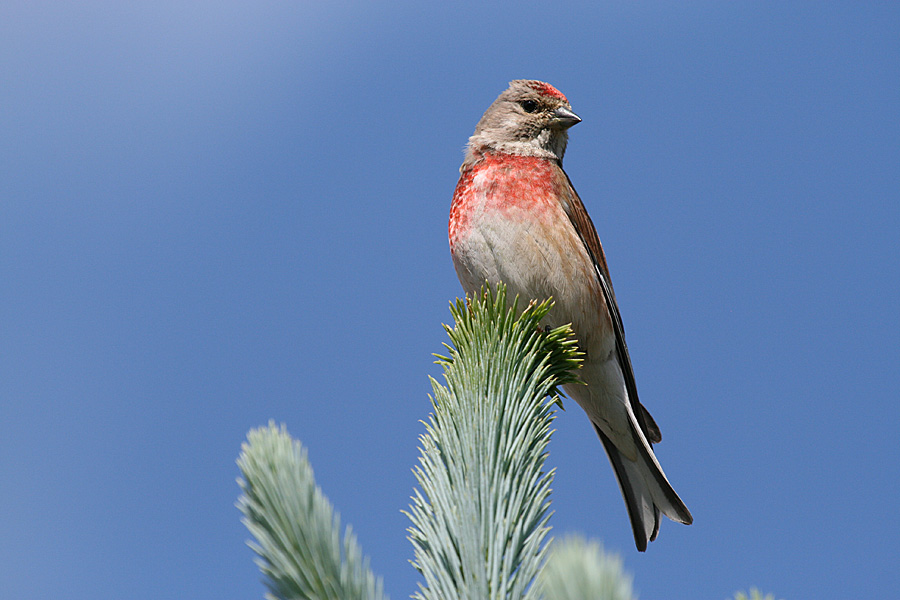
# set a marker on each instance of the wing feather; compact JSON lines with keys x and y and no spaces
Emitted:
{"x":580,"y":219}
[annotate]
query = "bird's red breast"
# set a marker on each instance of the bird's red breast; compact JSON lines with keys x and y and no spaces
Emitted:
{"x":516,"y":187}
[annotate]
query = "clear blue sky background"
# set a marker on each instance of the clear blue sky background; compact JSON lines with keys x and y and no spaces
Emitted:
{"x":213,"y":214}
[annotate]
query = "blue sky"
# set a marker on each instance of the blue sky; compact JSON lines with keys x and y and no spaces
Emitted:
{"x":213,"y":214}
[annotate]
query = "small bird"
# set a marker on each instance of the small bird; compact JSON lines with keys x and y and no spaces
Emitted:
{"x":516,"y":219}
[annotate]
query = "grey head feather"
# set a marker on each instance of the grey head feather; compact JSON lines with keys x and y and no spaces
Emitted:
{"x":530,"y":118}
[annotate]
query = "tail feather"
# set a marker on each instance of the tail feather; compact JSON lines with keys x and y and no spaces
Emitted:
{"x":646,"y":490}
{"x":648,"y":425}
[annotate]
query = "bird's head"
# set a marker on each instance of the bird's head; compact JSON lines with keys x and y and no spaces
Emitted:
{"x":530,"y":118}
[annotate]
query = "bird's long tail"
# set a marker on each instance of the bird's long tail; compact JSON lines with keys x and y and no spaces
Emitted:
{"x":646,"y":490}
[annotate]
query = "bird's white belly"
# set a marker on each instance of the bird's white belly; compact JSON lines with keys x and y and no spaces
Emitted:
{"x":538,"y":258}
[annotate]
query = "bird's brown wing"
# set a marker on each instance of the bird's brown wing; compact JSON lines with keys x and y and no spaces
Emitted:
{"x":580,"y":219}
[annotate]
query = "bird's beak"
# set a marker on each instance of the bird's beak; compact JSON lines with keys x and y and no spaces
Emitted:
{"x":565,"y":118}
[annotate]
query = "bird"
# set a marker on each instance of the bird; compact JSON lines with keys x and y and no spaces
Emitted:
{"x":516,"y":219}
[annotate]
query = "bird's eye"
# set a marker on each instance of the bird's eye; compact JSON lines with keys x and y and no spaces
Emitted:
{"x":529,"y":106}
